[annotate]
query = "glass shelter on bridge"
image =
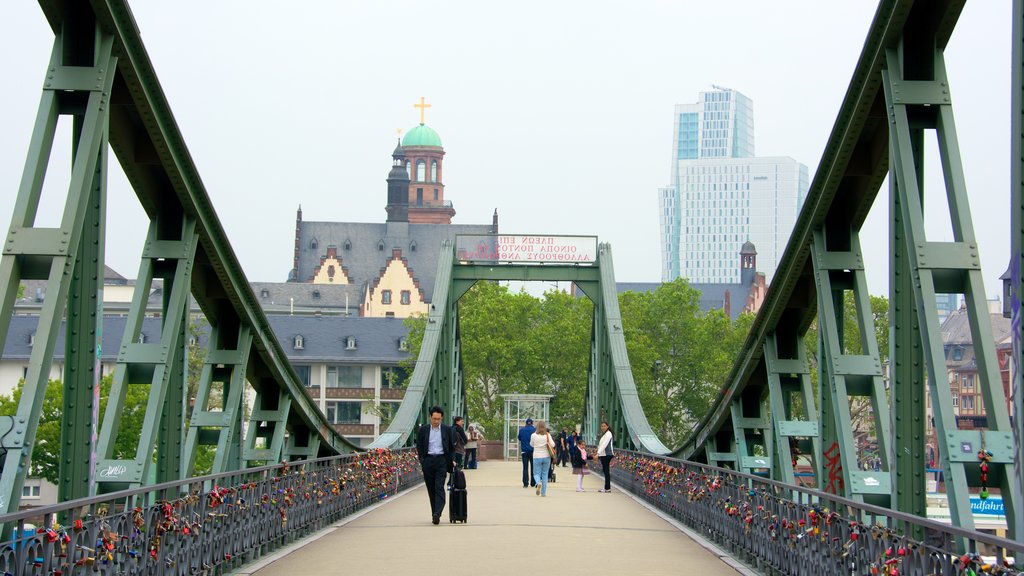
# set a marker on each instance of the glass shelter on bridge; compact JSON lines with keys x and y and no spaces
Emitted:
{"x":519,"y":407}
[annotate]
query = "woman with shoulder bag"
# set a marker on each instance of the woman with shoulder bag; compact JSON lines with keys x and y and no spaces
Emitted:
{"x":543,"y":451}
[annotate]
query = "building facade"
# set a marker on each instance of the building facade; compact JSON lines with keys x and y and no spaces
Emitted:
{"x":721,"y":195}
{"x":387,"y":269}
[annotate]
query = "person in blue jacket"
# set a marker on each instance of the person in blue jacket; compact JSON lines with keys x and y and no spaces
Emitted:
{"x":526,"y":452}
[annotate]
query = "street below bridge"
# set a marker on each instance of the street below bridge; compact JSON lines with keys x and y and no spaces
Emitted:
{"x":511,"y":530}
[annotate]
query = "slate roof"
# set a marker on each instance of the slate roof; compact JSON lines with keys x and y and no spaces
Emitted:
{"x":956,"y":333}
{"x":364,"y":259}
{"x":712,"y":296}
{"x":283,"y":297}
{"x":17,"y":347}
{"x":324,"y":338}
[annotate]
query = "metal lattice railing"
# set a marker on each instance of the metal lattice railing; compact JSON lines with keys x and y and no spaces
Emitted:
{"x":204,"y":525}
{"x":787,"y":529}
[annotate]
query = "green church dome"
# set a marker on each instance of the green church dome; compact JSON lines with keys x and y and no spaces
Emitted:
{"x":422,"y":135}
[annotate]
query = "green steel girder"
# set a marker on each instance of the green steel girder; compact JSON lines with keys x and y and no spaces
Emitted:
{"x":838,"y":267}
{"x":423,"y":390}
{"x":151,"y":150}
{"x":159,"y":365}
{"x":265,"y":437}
{"x":788,"y":376}
{"x":934,"y":267}
{"x":854,"y":164}
{"x":1017,"y":245}
{"x":437,"y":378}
{"x":53,"y":254}
{"x":749,"y":432}
{"x":226,"y":360}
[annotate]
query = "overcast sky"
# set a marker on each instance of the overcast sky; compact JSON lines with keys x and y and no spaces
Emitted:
{"x":558,"y":114}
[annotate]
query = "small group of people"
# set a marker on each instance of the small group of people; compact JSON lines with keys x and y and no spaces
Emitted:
{"x":539,"y":452}
{"x":442,"y":450}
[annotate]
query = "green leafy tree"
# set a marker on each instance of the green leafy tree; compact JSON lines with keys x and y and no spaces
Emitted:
{"x":861,"y":413}
{"x":46,"y":450}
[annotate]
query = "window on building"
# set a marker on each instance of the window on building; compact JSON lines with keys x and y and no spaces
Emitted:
{"x":406,"y":296}
{"x":956,"y":401}
{"x":435,"y":193}
{"x":419,"y":196}
{"x":393,"y":377}
{"x":385,"y":297}
{"x":433,"y":171}
{"x":380,"y":246}
{"x":344,"y":376}
{"x":969,"y":381}
{"x":958,"y":353}
{"x":316,"y":294}
{"x":403,"y":344}
{"x":350,"y":343}
{"x":299,"y":342}
{"x":967,"y":403}
{"x":348,"y":245}
{"x":30,"y":491}
{"x":421,"y":171}
{"x":264,"y":293}
{"x":142,"y":337}
{"x":313,"y":244}
{"x":343,"y":412}
{"x":303,"y":371}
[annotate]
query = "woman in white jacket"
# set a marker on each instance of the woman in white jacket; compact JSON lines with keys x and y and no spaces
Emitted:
{"x":605,"y":455}
{"x":543,"y":450}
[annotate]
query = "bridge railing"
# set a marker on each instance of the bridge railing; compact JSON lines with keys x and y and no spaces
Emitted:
{"x":203,"y":525}
{"x":782,"y":528}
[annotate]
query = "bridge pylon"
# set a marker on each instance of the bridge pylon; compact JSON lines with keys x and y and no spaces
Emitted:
{"x":438,"y":378}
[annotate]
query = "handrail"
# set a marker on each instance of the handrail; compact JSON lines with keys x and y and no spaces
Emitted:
{"x":199,"y":524}
{"x":774,"y":525}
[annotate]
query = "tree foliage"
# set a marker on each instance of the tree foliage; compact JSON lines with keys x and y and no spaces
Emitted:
{"x":46,"y":450}
{"x":517,"y":343}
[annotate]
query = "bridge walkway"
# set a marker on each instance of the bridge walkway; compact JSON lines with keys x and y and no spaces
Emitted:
{"x":511,"y":530}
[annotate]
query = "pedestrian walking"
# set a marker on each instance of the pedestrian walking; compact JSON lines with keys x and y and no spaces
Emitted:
{"x":526,"y":452}
{"x":436,"y":455}
{"x":605,"y":455}
{"x":471,"y":447}
{"x":543,"y":456}
{"x":563,"y":447}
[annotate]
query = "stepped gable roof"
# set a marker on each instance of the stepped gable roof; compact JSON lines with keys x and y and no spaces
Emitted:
{"x":325,"y":338}
{"x":370,"y":248}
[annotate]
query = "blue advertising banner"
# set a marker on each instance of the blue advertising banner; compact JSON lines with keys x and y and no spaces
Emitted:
{"x":992,"y":506}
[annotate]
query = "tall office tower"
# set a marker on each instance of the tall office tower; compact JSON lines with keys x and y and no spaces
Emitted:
{"x":721,"y":195}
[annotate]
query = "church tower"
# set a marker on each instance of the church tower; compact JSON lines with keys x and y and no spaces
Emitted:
{"x":424,"y":158}
{"x":398,"y":187}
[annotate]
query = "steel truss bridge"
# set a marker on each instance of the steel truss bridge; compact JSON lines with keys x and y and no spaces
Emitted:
{"x":100,"y":75}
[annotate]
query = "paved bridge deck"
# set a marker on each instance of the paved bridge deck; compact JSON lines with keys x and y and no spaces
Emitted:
{"x":510,"y":531}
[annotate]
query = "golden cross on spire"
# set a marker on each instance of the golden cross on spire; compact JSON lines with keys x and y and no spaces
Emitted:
{"x":399,"y":130}
{"x":423,"y":107}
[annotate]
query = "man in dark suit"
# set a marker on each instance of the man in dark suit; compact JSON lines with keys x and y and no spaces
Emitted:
{"x":436,"y":453}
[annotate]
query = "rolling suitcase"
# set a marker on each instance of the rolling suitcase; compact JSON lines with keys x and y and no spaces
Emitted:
{"x":457,"y":510}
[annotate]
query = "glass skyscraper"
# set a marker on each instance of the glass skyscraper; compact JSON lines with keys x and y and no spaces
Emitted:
{"x":721,"y":195}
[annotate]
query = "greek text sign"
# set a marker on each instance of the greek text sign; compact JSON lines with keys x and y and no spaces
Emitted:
{"x":508,"y":248}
